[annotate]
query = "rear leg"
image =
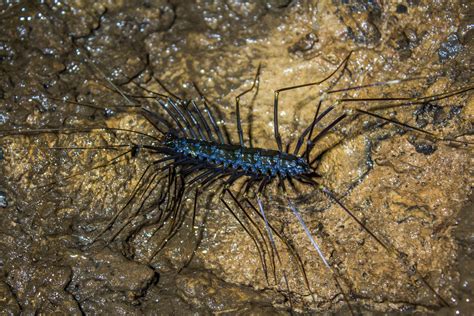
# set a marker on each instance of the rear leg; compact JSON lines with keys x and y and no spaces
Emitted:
{"x":262,"y":250}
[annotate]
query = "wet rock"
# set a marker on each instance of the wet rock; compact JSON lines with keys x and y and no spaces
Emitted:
{"x":278,"y":4}
{"x":401,"y":8}
{"x":184,"y":42}
{"x":198,"y":288}
{"x":366,"y":33}
{"x":40,"y":288}
{"x":106,"y":281}
{"x":7,"y":52}
{"x":3,"y":199}
{"x":8,"y":303}
{"x":360,"y":5}
{"x":353,"y":171}
{"x":120,"y":274}
{"x":434,"y":114}
{"x":3,"y":118}
{"x":113,"y":271}
{"x":402,"y":45}
{"x":450,"y":48}
{"x":305,"y":44}
{"x":423,"y":147}
{"x":361,"y":19}
{"x":464,"y":234}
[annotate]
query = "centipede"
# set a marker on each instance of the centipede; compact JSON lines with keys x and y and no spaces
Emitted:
{"x":133,"y":190}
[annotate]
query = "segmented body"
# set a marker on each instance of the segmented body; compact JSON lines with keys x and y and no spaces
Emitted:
{"x":221,"y":158}
{"x":254,"y":161}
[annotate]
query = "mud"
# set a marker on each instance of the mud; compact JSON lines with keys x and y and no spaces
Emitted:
{"x":409,"y":189}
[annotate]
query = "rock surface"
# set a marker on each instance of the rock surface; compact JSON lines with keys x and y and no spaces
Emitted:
{"x":408,"y":188}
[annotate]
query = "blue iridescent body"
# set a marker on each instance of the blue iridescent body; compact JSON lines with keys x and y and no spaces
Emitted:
{"x":255,"y":161}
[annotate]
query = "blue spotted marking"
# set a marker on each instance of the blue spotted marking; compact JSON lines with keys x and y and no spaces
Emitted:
{"x":255,"y":161}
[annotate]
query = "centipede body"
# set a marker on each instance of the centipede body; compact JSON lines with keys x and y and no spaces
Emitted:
{"x":223,"y":232}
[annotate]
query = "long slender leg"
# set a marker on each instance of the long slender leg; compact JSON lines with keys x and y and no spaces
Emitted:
{"x":201,"y":176}
{"x":173,"y":211}
{"x":308,"y":234}
{"x":267,"y":226}
{"x":136,"y":189}
{"x":166,"y":89}
{"x":199,"y":235}
{"x":338,"y":120}
{"x":390,"y":249}
{"x":147,"y":192}
{"x":288,"y":245}
{"x":148,"y":114}
{"x":133,"y":109}
{"x":164,"y":105}
{"x":171,"y":179}
{"x":214,"y":123}
{"x":157,"y":94}
{"x":183,"y":117}
{"x":317,"y":119}
{"x":71,"y":130}
{"x":210,"y":137}
{"x":237,"y":105}
{"x":269,"y":231}
{"x":196,"y":193}
{"x":318,"y":250}
{"x":249,"y":184}
{"x":416,"y":129}
{"x":262,"y":185}
{"x":257,"y":227}
{"x":177,"y":214}
{"x":313,"y":141}
{"x":255,"y":241}
{"x":184,"y":105}
{"x":375,"y":84}
{"x":115,"y":87}
{"x":42,"y":191}
{"x":110,"y":162}
{"x":309,"y":130}
{"x":234,"y":177}
{"x":185,"y":171}
{"x":171,"y":203}
{"x":153,"y":117}
{"x":408,"y":101}
{"x":179,"y":210}
{"x":343,"y":65}
{"x":210,"y":115}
